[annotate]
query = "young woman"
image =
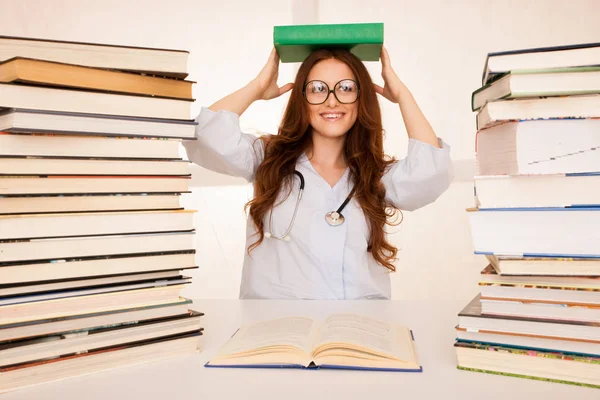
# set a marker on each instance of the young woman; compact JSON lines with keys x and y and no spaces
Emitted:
{"x":323,"y":189}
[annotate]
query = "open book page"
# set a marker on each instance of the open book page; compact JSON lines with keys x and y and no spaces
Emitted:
{"x":269,"y":341}
{"x":362,"y":340}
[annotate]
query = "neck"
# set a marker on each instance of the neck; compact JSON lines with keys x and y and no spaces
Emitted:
{"x":327,"y":152}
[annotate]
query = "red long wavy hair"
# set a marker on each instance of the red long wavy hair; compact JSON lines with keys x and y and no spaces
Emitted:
{"x":363,"y":153}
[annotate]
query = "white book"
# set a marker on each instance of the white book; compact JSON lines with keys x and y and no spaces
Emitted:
{"x":537,"y":190}
{"x":73,"y":323}
{"x":78,"y":292}
{"x":24,"y":226}
{"x":153,"y":61}
{"x":67,"y":123}
{"x":495,"y":112}
{"x":37,"y":286}
{"x":80,"y":184}
{"x":541,"y":310}
{"x":79,"y":101}
{"x":545,"y":266}
{"x":471,"y":319}
{"x":89,"y":340}
{"x":59,"y":249}
{"x":549,"y":232}
{"x":98,"y":268}
{"x":88,"y":146}
{"x":91,"y":202}
{"x":539,"y":147}
{"x":84,"y":364}
{"x":584,"y":296}
{"x":491,"y":275}
{"x":66,"y":166}
{"x":529,"y":363}
{"x":535,"y":342}
{"x":93,"y":303}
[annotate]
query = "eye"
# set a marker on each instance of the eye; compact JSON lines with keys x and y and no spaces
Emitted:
{"x":347,"y":86}
{"x":317,"y":87}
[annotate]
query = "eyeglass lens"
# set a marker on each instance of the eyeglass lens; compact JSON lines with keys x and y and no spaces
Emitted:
{"x":345,"y":91}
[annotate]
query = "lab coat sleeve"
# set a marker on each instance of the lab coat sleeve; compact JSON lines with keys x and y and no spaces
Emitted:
{"x":222,"y":147}
{"x":421,"y":177}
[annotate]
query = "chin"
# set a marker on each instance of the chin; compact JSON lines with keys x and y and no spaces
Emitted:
{"x":328,"y":132}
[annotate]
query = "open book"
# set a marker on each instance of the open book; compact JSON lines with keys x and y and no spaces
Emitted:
{"x":342,"y":341}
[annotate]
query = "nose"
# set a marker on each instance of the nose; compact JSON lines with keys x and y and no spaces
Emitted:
{"x":332,"y":100}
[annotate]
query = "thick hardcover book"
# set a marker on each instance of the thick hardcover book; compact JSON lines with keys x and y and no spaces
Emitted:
{"x":539,"y":232}
{"x":574,"y":55}
{"x":552,"y":108}
{"x":20,"y":120}
{"x":150,"y":61}
{"x":62,"y":344}
{"x":47,"y":73}
{"x":538,"y":190}
{"x":34,"y":373}
{"x":525,"y":83}
{"x":295,"y":42}
{"x":87,"y":291}
{"x":46,"y":98}
{"x":578,"y":267}
{"x":77,"y":322}
{"x":102,"y":282}
{"x":526,"y":363}
{"x":40,"y":251}
{"x":542,"y":334}
{"x":31,"y":226}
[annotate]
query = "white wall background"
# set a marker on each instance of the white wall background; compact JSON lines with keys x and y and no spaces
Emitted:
{"x":437,"y":47}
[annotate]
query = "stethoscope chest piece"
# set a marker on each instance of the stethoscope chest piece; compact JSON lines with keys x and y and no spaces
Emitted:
{"x":334,"y":218}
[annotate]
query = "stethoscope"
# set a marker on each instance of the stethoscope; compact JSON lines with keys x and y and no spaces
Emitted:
{"x":333,"y":218}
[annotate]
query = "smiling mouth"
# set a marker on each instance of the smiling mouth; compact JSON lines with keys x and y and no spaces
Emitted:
{"x":332,"y":116}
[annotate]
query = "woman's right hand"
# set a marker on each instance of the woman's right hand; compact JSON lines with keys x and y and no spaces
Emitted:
{"x":263,"y":87}
{"x":266,"y":81}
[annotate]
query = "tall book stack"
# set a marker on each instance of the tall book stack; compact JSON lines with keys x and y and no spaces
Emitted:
{"x":537,"y":218}
{"x":93,"y":240}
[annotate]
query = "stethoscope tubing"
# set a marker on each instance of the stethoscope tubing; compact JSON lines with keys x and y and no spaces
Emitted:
{"x":286,"y":235}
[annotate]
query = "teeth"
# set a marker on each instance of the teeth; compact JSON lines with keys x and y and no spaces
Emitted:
{"x":332,"y":115}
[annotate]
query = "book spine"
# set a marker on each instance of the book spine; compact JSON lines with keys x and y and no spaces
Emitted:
{"x":318,"y":35}
{"x":528,"y":377}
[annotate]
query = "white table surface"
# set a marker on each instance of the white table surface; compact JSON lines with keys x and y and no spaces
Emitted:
{"x":186,"y":377}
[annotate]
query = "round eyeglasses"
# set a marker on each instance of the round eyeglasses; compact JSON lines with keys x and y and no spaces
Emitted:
{"x":317,"y":92}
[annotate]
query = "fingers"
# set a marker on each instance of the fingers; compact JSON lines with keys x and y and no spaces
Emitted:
{"x":378,"y":89}
{"x":273,"y":58}
{"x":272,"y":67}
{"x":276,"y":57}
{"x":385,"y":58}
{"x":286,"y":88}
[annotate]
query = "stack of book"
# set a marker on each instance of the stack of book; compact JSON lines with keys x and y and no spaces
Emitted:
{"x":537,"y":218}
{"x":93,"y":240}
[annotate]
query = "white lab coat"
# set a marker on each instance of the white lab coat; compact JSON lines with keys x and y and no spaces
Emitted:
{"x":320,"y":261}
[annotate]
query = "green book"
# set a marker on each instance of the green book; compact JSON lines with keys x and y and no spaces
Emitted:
{"x":295,"y":42}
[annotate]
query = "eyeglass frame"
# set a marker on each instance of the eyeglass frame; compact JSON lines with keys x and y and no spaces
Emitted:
{"x":329,"y":91}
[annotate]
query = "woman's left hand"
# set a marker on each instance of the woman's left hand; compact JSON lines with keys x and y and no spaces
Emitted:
{"x":392,"y":84}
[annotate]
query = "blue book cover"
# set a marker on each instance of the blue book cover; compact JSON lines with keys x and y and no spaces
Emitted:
{"x":313,"y":366}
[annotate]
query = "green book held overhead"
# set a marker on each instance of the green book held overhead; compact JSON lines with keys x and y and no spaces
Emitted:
{"x":295,"y":42}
